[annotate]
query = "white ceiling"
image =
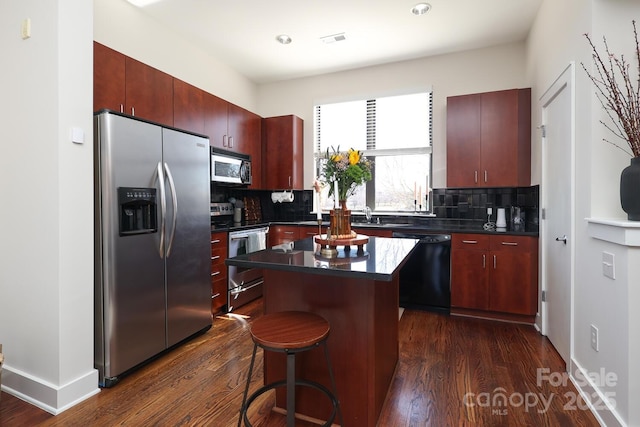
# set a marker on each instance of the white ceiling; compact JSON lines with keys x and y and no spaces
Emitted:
{"x":242,"y":33}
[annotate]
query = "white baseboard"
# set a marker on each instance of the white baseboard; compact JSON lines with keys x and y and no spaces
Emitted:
{"x":46,"y":396}
{"x":600,"y":405}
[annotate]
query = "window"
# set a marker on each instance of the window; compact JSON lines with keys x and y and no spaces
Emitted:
{"x":395,"y":133}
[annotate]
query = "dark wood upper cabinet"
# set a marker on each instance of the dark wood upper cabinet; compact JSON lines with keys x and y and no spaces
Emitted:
{"x":131,"y":87}
{"x":489,"y":139}
{"x":149,"y":93}
{"x":235,"y":129}
{"x":108,"y":78}
{"x":126,"y":85}
{"x":283,"y":152}
{"x":463,"y":140}
{"x":188,"y":107}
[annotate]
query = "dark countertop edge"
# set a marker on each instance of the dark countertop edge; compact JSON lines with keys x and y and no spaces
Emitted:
{"x":307,"y":270}
{"x":413,"y":228}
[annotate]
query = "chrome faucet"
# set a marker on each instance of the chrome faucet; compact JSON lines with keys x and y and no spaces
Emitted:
{"x":367,"y":213}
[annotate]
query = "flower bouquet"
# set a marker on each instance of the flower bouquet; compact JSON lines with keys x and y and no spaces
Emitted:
{"x":343,"y":172}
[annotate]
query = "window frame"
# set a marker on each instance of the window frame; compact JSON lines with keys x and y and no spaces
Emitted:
{"x":372,"y":153}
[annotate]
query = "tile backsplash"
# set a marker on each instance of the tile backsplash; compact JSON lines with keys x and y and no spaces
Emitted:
{"x":472,"y":203}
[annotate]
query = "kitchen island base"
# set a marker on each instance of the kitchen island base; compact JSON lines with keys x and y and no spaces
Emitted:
{"x":363,"y":342}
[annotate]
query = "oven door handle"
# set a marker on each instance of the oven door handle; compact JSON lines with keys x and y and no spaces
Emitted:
{"x":244,"y":235}
{"x":240,"y":289}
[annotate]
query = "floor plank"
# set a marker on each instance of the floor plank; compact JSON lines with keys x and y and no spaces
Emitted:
{"x":450,"y":370}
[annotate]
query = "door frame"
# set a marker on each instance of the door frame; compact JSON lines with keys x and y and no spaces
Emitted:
{"x":565,"y":79}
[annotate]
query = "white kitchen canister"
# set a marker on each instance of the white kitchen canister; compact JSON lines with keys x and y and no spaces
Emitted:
{"x":501,"y":222}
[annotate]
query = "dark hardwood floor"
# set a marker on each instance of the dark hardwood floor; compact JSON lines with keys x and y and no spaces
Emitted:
{"x":453,"y":371}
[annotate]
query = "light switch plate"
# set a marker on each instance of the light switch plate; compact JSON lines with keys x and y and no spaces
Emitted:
{"x":608,"y":265}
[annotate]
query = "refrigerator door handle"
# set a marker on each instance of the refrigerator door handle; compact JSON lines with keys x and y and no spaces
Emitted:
{"x":174,"y":200}
{"x":163,"y":208}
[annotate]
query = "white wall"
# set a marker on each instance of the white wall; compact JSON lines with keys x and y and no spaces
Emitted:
{"x":125,"y":28}
{"x":501,"y":67}
{"x":556,"y":39}
{"x":46,"y":220}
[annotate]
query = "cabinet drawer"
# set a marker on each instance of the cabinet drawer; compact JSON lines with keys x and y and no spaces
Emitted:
{"x":513,"y":243}
{"x":219,"y":240}
{"x":218,"y":295}
{"x":218,"y":255}
{"x":305,"y":232}
{"x":470,"y":241}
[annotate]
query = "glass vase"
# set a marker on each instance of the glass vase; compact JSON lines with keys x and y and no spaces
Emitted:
{"x":340,"y":222}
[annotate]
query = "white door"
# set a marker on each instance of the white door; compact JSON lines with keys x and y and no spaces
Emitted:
{"x":558,"y":208}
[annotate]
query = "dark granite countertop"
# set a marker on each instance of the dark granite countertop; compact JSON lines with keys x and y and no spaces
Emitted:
{"x":429,"y":226}
{"x":424,"y":226}
{"x":380,"y":259}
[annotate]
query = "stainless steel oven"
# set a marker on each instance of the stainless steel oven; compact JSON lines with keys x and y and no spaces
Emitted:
{"x":245,"y":284}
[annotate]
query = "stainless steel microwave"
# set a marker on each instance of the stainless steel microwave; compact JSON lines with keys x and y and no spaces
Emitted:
{"x":230,"y":168}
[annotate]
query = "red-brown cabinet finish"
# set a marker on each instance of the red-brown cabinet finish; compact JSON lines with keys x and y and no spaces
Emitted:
{"x":463,"y":140}
{"x":131,"y":87}
{"x":283,"y":152}
{"x":373,"y":232}
{"x":188,"y":107}
{"x":235,"y":129}
{"x":108,"y":78}
{"x":149,"y":93}
{"x":279,"y":234}
{"x":495,"y":273}
{"x":469,"y":272}
{"x":219,"y":253}
{"x":489,"y":139}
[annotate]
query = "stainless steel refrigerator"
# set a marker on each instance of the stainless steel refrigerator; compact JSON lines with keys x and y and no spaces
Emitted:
{"x":152,"y":241}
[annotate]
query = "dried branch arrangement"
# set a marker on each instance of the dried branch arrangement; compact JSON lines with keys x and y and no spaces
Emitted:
{"x":617,"y":94}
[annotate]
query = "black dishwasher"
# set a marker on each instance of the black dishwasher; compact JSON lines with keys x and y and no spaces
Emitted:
{"x":425,"y":279}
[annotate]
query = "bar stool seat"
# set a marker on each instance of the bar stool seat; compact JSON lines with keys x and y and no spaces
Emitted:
{"x":290,"y":332}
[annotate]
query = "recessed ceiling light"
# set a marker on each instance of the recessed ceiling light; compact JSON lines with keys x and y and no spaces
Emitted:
{"x":421,"y":8}
{"x":283,"y":39}
{"x":142,"y":3}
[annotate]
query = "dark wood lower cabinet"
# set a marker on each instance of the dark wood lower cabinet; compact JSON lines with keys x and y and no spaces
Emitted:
{"x":495,"y":275}
{"x":219,"y":253}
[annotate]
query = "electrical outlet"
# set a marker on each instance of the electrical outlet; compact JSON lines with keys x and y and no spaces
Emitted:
{"x":594,"y":338}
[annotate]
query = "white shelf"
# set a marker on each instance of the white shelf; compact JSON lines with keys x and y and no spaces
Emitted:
{"x":621,"y":232}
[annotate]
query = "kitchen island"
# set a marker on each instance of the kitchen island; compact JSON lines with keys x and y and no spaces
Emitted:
{"x":357,"y":292}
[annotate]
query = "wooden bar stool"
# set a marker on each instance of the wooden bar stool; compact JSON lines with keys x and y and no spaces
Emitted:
{"x":290,"y":332}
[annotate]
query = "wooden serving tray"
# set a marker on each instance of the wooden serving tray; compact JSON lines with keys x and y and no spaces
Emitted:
{"x":359,"y":240}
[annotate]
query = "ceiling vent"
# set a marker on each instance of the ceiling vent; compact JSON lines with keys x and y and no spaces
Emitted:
{"x":333,"y":38}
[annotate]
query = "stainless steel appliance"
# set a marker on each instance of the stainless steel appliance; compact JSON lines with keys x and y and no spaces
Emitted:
{"x":152,"y":245}
{"x":230,"y":168}
{"x":425,"y":279}
{"x":245,"y":284}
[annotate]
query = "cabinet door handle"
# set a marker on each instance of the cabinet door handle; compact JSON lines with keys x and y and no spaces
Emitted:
{"x":484,"y":261}
{"x":230,"y":142}
{"x":475,"y":176}
{"x":214,"y":296}
{"x":224,"y":140}
{"x":486,"y":176}
{"x":494,"y":262}
{"x":288,"y":232}
{"x":213,"y":242}
{"x":133,"y":111}
{"x":213,"y":258}
{"x":470,"y":242}
{"x":215,"y":273}
{"x":510,"y":243}
{"x":122,"y":108}
{"x":289,"y":181}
